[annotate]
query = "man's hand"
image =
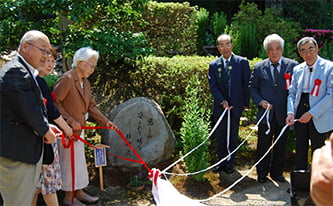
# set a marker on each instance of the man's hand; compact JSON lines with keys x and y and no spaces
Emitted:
{"x":51,"y":134}
{"x":322,"y":175}
{"x":264,"y":104}
{"x":290,"y":119}
{"x":305,"y":118}
{"x":225,"y":105}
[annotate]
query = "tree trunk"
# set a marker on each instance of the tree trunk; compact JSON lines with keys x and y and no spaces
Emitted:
{"x":63,"y":26}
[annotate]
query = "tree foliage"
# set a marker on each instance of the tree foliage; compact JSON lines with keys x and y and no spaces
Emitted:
{"x":266,"y":23}
{"x":76,"y":23}
{"x":316,"y":14}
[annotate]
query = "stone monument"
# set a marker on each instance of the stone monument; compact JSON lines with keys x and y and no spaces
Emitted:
{"x":145,"y":127}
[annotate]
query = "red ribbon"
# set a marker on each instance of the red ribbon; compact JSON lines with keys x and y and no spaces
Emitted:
{"x":316,"y":88}
{"x":70,"y":145}
{"x":287,"y":78}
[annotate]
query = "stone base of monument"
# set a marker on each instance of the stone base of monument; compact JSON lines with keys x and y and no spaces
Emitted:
{"x":116,"y":176}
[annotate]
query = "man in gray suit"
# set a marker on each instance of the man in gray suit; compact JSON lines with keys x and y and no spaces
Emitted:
{"x":310,"y":100}
{"x":268,"y":88}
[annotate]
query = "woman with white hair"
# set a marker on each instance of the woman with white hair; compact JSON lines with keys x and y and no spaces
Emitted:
{"x":74,"y":101}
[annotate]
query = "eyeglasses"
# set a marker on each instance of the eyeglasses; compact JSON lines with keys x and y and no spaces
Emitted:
{"x":227,"y":45}
{"x":92,"y":66}
{"x":309,"y":50}
{"x":41,"y":49}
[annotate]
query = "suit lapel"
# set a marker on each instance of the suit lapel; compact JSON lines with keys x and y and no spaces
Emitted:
{"x":317,"y":73}
{"x":283,"y":70}
{"x":301,"y":77}
{"x":36,"y":89}
{"x":267,"y":68}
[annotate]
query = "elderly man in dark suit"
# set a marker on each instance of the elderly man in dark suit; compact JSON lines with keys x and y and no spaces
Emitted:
{"x":228,"y":78}
{"x":269,"y":88}
{"x":24,"y":125}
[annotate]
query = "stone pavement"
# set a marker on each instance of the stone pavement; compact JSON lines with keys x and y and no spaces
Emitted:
{"x":250,"y":192}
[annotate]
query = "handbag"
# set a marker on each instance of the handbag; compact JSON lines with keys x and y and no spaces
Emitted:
{"x":48,"y":156}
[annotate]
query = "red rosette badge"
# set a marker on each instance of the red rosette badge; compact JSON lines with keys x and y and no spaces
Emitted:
{"x":54,"y":97}
{"x":44,"y":101}
{"x":287,"y":78}
{"x":316,"y":88}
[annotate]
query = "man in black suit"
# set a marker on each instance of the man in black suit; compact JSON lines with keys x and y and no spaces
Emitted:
{"x":268,"y":88}
{"x":24,"y":125}
{"x":228,"y":78}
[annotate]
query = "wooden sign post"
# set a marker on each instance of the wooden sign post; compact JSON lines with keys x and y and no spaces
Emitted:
{"x":100,"y":161}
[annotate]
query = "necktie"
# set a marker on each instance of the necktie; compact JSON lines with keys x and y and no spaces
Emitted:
{"x":309,"y":77}
{"x":276,"y":73}
{"x":227,"y":69}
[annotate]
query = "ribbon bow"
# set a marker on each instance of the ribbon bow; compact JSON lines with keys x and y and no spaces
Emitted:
{"x":153,"y":175}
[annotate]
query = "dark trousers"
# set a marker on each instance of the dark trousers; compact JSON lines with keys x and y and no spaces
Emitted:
{"x":273,"y":163}
{"x":221,"y":138}
{"x":304,"y":133}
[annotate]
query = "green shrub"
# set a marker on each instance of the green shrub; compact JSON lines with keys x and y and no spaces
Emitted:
{"x":310,"y":13}
{"x":202,"y":22}
{"x":170,"y":28}
{"x":163,"y":79}
{"x":247,"y":41}
{"x":219,"y":23}
{"x":51,"y":79}
{"x":266,"y":23}
{"x":195,"y":127}
{"x":234,"y":33}
{"x":327,"y":50}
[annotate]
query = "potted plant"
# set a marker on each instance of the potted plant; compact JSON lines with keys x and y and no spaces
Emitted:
{"x":136,"y":183}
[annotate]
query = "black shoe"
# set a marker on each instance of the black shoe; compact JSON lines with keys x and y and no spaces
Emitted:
{"x":262,"y":179}
{"x":278,"y":178}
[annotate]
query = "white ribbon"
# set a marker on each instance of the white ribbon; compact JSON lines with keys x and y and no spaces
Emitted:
{"x":210,"y":134}
{"x":267,"y":120}
{"x":252,"y":168}
{"x":220,"y":161}
{"x":228,"y":136}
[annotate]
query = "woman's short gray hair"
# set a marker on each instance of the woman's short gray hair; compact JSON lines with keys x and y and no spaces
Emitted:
{"x":83,"y":54}
{"x":273,"y":37}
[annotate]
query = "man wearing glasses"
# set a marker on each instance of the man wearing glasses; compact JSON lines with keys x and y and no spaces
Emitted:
{"x":24,"y":124}
{"x":310,"y":100}
{"x":228,"y":78}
